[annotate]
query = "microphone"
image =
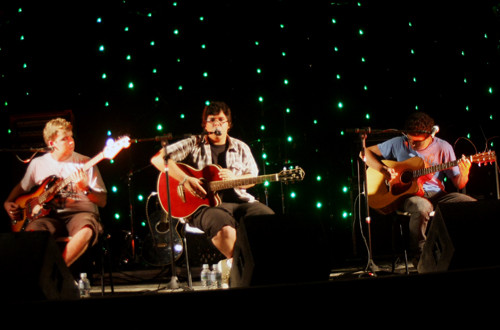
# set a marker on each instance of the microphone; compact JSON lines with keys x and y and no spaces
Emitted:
{"x":434,"y":130}
{"x":45,"y":149}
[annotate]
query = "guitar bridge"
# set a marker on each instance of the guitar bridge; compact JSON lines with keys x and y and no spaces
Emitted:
{"x":180,"y":192}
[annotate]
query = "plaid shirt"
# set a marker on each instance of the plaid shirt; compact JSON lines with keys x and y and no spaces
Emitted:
{"x":196,"y":152}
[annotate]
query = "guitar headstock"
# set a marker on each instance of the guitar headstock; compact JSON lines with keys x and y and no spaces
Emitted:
{"x":291,"y":175}
{"x":484,"y":157}
{"x":114,"y":147}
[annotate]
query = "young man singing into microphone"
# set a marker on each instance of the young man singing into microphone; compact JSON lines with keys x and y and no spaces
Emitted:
{"x":236,"y":159}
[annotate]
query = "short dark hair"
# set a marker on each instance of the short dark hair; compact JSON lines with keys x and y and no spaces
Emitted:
{"x":213,"y":109}
{"x":418,"y":123}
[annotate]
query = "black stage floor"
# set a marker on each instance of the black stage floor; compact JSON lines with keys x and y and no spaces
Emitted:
{"x":351,"y":294}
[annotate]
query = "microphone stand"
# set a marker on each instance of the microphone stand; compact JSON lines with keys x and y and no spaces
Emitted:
{"x":174,"y":282}
{"x":371,"y":268}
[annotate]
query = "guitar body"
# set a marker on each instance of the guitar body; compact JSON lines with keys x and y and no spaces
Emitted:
{"x":157,"y":249}
{"x":31,"y":208}
{"x":384,"y":196}
{"x":184,"y":206}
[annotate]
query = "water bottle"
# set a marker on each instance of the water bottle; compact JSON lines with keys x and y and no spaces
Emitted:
{"x":84,"y":286}
{"x":205,"y":276}
{"x":216,"y":276}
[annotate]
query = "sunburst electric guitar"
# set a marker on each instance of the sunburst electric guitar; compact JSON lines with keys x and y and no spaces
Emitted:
{"x":33,"y":205}
{"x":385,"y":196}
{"x":183,"y":203}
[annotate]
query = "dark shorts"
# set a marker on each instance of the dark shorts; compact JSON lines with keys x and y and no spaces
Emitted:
{"x":212,"y":219}
{"x":68,"y":224}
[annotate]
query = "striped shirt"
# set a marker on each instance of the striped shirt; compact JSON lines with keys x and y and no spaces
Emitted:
{"x":196,"y":152}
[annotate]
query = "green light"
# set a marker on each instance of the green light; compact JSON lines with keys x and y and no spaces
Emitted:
{"x":159,"y":127}
{"x":283,"y":54}
{"x":126,"y":29}
{"x":259,"y":70}
{"x":334,"y":21}
{"x":256,"y":43}
{"x":152,"y":43}
{"x":345,"y":189}
{"x":266,"y":183}
{"x":129,"y":57}
{"x":367,"y":116}
{"x":183,"y":116}
{"x":289,"y":138}
{"x":99,"y":20}
{"x":180,"y":87}
{"x":101,"y":48}
{"x":117,"y":216}
{"x":176,"y":32}
{"x":315,"y":121}
{"x":106,"y":104}
{"x":338,"y":76}
{"x":114,"y":189}
{"x":157,"y":99}
{"x":130,"y":85}
{"x":490,"y":90}
{"x":155,"y":70}
{"x":262,"y":127}
{"x":140,"y":197}
{"x":293,"y":194}
{"x":285,"y":81}
{"x":264,"y":155}
{"x":345,"y":214}
{"x":361,"y":32}
{"x":108,"y":133}
{"x":318,"y":178}
{"x":203,"y":46}
{"x":25,"y":65}
{"x":202,"y":18}
{"x":340,"y":105}
{"x":288,"y":110}
{"x":319,"y":205}
{"x":205,"y":74}
{"x":143,"y":223}
{"x":261,"y":99}
{"x":104,"y":76}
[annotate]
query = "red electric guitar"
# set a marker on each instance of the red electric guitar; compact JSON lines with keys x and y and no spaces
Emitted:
{"x":33,"y":205}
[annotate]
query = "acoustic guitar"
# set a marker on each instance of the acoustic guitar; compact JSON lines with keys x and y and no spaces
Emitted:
{"x":183,"y":203}
{"x":385,"y":196}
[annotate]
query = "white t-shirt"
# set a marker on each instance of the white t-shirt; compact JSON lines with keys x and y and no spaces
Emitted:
{"x":69,"y":198}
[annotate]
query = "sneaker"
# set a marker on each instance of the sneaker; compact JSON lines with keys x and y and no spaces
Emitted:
{"x":225,"y":267}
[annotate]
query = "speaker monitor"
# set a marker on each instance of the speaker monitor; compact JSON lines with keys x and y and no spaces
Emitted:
{"x":462,"y":236}
{"x":32,"y":268}
{"x":273,"y":249}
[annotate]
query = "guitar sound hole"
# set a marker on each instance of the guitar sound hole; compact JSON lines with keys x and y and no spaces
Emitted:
{"x":406,"y":177}
{"x":162,"y":227}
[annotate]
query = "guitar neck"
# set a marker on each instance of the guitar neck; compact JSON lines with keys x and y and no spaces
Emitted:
{"x":63,"y":183}
{"x":435,"y":168}
{"x":221,"y":185}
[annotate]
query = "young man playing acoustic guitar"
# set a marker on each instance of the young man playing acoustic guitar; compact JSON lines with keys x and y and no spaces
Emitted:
{"x":236,"y":160}
{"x":74,"y":210}
{"x":419,"y":141}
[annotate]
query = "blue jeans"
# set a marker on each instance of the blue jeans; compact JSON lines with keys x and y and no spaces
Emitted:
{"x":420,"y":209}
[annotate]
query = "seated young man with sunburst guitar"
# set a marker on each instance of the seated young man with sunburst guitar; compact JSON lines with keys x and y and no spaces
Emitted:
{"x":191,"y":166}
{"x":407,"y":172}
{"x":61,"y":192}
